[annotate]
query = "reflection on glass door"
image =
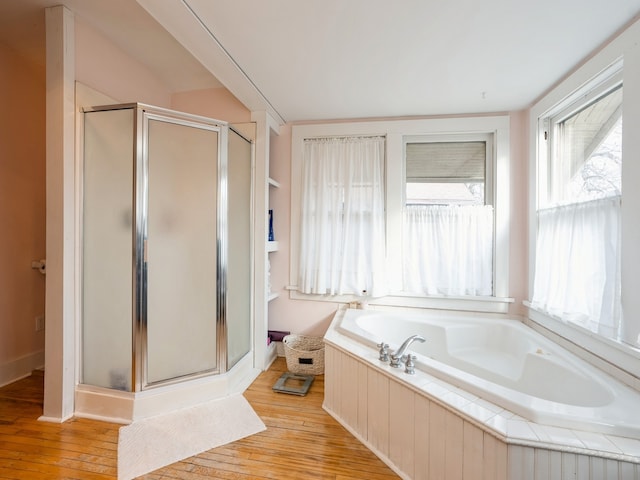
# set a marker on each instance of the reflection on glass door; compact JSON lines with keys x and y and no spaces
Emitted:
{"x":180,"y":251}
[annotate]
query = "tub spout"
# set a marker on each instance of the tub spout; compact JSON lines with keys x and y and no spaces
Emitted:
{"x":396,"y":357}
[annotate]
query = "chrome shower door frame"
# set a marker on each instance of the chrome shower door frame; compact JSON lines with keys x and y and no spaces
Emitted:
{"x":144,"y":114}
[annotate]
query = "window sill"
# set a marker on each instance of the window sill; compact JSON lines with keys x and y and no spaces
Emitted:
{"x":617,"y":359}
{"x":466,"y":304}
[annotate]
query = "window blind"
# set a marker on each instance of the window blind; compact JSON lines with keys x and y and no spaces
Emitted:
{"x":445,"y":162}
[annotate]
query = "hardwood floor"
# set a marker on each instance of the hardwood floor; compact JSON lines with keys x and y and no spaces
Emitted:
{"x":301,"y":442}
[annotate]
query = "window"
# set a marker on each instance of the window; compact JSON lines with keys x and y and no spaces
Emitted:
{"x":448,"y":223}
{"x":577,"y":262}
{"x":459,"y":174}
{"x":585,"y":150}
{"x":607,"y":79}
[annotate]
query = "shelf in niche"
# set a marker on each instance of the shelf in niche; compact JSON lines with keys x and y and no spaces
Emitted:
{"x":272,"y":246}
{"x":273,"y":183}
{"x":272,"y":296}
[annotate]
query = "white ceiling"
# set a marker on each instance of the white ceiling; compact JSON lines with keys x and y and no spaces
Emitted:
{"x":334,"y":59}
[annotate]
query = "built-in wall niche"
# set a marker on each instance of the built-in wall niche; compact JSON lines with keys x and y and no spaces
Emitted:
{"x":272,"y":242}
{"x":266,"y":187}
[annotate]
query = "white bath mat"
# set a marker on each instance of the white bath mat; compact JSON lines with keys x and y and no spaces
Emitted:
{"x":155,"y":442}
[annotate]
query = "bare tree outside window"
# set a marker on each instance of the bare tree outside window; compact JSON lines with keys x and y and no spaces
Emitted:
{"x":601,"y":174}
{"x":585,"y":156}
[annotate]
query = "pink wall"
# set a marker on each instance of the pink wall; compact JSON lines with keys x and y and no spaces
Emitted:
{"x":519,"y":172}
{"x":106,"y":68}
{"x":297,"y":316}
{"x":22,"y":206}
{"x":218,"y":103}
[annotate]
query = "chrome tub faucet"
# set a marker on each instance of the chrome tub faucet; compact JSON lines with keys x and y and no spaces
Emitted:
{"x":396,"y":357}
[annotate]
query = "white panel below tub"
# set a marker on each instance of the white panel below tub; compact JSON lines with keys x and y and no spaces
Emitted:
{"x":453,"y":446}
{"x":349,"y":406}
{"x":362,"y":425}
{"x":494,"y":457}
{"x":521,"y":462}
{"x":629,"y":470}
{"x":332,"y":389}
{"x":473,"y":439}
{"x":434,"y":442}
{"x":378,"y":412}
{"x":555,"y":465}
{"x":401,"y":428}
{"x":421,"y":437}
{"x":437,"y":430}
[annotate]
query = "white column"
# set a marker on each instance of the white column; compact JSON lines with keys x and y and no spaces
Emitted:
{"x":60,"y":348}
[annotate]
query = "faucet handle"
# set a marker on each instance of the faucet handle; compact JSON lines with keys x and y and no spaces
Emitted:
{"x":409,"y":366}
{"x":384,"y":352}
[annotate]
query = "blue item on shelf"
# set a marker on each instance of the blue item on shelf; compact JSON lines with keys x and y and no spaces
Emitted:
{"x":271,"y":237}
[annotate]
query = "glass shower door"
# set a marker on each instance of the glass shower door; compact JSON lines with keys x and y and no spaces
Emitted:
{"x":180,"y":251}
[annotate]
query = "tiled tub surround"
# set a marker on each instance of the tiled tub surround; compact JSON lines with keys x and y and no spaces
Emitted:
{"x":428,"y":428}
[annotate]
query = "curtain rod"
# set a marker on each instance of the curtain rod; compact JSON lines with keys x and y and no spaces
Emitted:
{"x":345,"y":137}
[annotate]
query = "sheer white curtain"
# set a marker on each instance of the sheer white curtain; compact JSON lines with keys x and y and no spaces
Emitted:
{"x":342,"y":238}
{"x":448,"y":250}
{"x":577,"y":275}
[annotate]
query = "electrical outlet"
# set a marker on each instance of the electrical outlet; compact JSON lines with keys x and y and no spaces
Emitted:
{"x":39,"y":323}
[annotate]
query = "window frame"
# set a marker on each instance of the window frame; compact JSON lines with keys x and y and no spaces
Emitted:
{"x":600,"y":86}
{"x":396,"y":131}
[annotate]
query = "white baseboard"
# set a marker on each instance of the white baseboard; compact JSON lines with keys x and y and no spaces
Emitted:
{"x":20,"y":367}
{"x":54,"y":419}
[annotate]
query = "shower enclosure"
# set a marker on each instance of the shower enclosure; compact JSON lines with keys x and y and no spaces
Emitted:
{"x":166,"y":248}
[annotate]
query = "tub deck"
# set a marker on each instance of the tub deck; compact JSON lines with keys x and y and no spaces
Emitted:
{"x":355,"y":379}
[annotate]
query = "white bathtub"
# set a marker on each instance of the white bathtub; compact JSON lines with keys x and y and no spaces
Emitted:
{"x":506,"y":363}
